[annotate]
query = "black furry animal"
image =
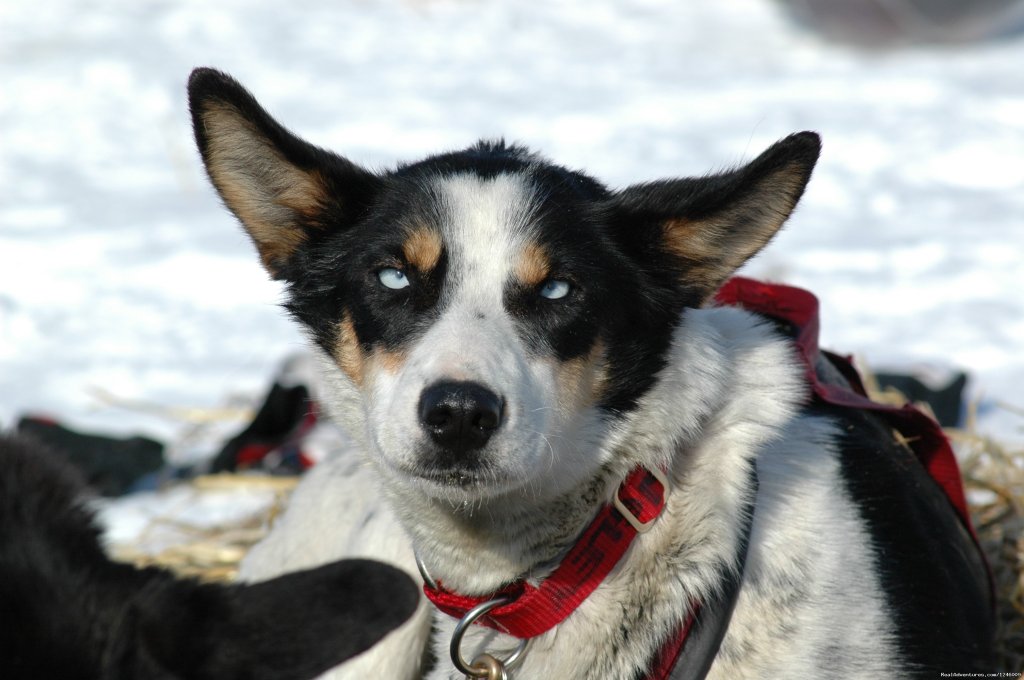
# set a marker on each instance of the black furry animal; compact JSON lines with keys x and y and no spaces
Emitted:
{"x":68,"y":612}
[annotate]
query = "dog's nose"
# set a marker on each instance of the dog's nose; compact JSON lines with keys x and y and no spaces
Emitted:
{"x":460,"y":416}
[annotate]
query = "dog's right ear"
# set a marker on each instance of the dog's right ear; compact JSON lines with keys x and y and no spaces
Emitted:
{"x":284,"y":190}
{"x":709,"y":226}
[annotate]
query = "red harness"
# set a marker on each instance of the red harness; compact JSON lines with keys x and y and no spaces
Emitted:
{"x":536,"y":609}
{"x":800,"y":308}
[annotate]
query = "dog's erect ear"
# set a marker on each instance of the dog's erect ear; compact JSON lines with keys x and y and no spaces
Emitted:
{"x":710,"y":226}
{"x":293,"y":627}
{"x":284,"y":190}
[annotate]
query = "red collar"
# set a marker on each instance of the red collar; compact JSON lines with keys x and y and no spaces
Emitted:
{"x":638,"y":502}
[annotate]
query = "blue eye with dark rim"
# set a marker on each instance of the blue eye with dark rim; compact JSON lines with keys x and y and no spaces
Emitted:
{"x":393,"y":278}
{"x":555,"y":289}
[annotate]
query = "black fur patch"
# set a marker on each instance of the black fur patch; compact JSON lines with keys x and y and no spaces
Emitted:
{"x":70,"y":613}
{"x":930,"y":569}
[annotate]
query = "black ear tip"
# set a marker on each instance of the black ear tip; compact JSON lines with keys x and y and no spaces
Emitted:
{"x":805,"y":143}
{"x":205,"y":82}
{"x":203,"y":77}
{"x":207,"y":74}
{"x":201,"y":73}
{"x":807,"y":136}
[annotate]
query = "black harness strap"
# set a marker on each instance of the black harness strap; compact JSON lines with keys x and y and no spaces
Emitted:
{"x":713,"y":618}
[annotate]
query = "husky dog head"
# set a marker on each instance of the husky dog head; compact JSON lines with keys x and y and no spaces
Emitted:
{"x":486,"y":317}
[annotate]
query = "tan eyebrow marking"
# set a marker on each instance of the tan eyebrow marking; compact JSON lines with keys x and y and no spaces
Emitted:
{"x":533,"y":265}
{"x":422,"y":248}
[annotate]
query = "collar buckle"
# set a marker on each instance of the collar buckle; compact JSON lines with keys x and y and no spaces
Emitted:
{"x":628,"y":515}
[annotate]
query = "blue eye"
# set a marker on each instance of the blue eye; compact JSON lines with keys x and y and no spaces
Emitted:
{"x":554,"y":289}
{"x":392,"y":278}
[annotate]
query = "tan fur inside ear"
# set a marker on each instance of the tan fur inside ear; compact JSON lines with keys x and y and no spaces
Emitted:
{"x":714,"y":247}
{"x":271,"y":197}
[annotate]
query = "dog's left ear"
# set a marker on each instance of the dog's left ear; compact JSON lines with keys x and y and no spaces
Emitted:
{"x":285,"y":191}
{"x":709,"y":226}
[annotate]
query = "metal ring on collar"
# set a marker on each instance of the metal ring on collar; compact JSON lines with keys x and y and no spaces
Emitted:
{"x":460,"y":629}
{"x":424,"y":574}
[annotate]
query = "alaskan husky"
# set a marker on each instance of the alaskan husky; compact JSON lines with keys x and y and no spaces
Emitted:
{"x":602,"y":473}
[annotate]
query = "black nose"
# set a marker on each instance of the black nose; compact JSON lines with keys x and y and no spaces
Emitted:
{"x":460,"y":416}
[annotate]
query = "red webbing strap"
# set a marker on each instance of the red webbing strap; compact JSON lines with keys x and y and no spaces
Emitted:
{"x":669,"y":653}
{"x":537,"y":609}
{"x":924,"y":436}
{"x":921,"y":433}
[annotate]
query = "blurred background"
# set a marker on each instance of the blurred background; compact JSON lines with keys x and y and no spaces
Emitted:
{"x":130,"y":301}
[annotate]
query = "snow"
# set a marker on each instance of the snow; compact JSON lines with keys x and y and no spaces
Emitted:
{"x":120,"y":270}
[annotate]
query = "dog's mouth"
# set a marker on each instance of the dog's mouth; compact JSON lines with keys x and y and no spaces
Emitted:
{"x":454,"y":477}
{"x":458,"y":481}
{"x":460,"y":474}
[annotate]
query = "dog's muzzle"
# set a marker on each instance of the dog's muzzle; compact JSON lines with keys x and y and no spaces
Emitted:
{"x":460,"y":416}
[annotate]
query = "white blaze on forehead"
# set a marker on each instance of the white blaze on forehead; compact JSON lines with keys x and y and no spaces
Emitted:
{"x":486,"y":224}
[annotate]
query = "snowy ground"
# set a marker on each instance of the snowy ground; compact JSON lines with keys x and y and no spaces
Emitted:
{"x":120,"y":270}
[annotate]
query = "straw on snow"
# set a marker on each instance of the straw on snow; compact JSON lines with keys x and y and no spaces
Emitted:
{"x":211,"y":553}
{"x":994,"y":477}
